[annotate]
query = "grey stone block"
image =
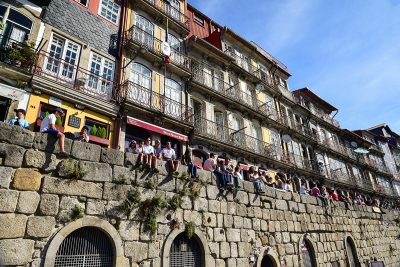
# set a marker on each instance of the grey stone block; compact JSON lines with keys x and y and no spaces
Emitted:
{"x":12,"y":155}
{"x":40,"y":160}
{"x":95,"y":207}
{"x":28,"y":202}
{"x":49,"y":204}
{"x":130,"y":159}
{"x":123,"y":175}
{"x":40,"y":226}
{"x":16,"y":135}
{"x":12,"y":225}
{"x":112,"y":156}
{"x":8,"y":200}
{"x":86,"y":151}
{"x":6,"y":174}
{"x":116,"y":192}
{"x":71,"y":187}
{"x":96,"y":172}
{"x":49,"y":143}
{"x":16,"y":252}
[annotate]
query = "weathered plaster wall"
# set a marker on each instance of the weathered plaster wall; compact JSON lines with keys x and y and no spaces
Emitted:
{"x":36,"y":198}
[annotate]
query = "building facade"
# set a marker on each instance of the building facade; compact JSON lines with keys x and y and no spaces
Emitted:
{"x":165,"y":71}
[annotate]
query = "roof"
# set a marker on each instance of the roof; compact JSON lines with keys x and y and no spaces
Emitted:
{"x":387,"y":128}
{"x":322,"y":103}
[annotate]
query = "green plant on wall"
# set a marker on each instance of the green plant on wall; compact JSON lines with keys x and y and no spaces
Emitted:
{"x":93,"y":131}
{"x":132,"y":201}
{"x":101,"y":132}
{"x":150,"y":209}
{"x":75,"y":170}
{"x":189,"y":229}
{"x":76,"y":213}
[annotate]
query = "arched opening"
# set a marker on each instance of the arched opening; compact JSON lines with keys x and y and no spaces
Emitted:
{"x":307,"y":254}
{"x":186,"y":252}
{"x":140,"y":91}
{"x":267,"y":261}
{"x":86,"y":246}
{"x":351,"y":253}
{"x":173,"y":100}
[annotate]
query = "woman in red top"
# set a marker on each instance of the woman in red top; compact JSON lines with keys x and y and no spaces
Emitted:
{"x":335,"y":195}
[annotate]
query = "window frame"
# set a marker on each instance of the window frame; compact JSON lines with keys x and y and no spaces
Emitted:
{"x":100,"y":77}
{"x":79,"y":2}
{"x":97,"y":123}
{"x":107,"y":9}
{"x":198,"y":20}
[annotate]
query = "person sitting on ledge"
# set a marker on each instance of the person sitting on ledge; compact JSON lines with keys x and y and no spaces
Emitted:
{"x":270,"y":182}
{"x":150,"y":159}
{"x":132,"y":147}
{"x":168,"y":155}
{"x":286,"y":185}
{"x":257,"y":180}
{"x":317,"y":193}
{"x":228,"y":169}
{"x":237,"y":177}
{"x":83,"y":135}
{"x":49,"y":126}
{"x":219,"y":172}
{"x":209,"y":164}
{"x":187,"y":160}
{"x":303,"y":188}
{"x":19,"y":119}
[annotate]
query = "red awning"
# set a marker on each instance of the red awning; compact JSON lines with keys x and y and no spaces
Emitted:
{"x":156,"y":129}
{"x":244,"y":167}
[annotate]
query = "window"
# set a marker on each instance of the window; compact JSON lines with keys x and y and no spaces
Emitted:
{"x":17,"y":26}
{"x":87,"y":246}
{"x":198,"y":20}
{"x":185,"y":251}
{"x":102,"y":73}
{"x":141,"y":89}
{"x":173,"y":94}
{"x":82,"y":2}
{"x":144,"y":31}
{"x":62,"y":58}
{"x":46,"y":109}
{"x":97,"y":128}
{"x":109,"y":10}
{"x":174,"y":42}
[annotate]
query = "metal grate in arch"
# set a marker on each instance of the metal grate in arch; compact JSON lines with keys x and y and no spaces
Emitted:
{"x":185,"y":252}
{"x":85,"y":247}
{"x":307,"y":254}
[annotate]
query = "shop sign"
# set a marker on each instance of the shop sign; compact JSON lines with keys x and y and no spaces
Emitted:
{"x":55,"y":101}
{"x":11,"y":92}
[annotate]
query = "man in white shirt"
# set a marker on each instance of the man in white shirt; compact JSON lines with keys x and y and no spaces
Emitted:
{"x":209,"y":164}
{"x":49,"y":126}
{"x":168,"y":155}
{"x":150,"y":158}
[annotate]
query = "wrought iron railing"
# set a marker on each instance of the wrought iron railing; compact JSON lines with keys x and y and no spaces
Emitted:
{"x":384,"y":189}
{"x":143,"y":38}
{"x":69,"y":74}
{"x":363,"y":182}
{"x":231,"y":137}
{"x":232,"y":92}
{"x":171,"y":11}
{"x":147,"y":98}
{"x":17,"y":54}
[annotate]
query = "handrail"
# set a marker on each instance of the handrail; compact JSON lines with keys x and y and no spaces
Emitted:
{"x":152,"y":43}
{"x":147,"y":98}
{"x":230,"y":136}
{"x":170,"y":11}
{"x":232,"y":92}
{"x":69,"y":74}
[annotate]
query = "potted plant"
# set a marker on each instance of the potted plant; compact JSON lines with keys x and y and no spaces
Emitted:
{"x":99,"y":135}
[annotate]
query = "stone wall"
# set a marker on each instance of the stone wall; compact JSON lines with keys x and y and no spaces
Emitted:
{"x":40,"y":197}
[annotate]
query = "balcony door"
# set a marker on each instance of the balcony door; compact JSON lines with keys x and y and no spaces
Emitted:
{"x":237,"y":136}
{"x":220,"y":130}
{"x":174,"y":9}
{"x":101,"y":75}
{"x":144,"y":32}
{"x":140,"y":92}
{"x":62,"y":59}
{"x":246,"y":95}
{"x":173,"y":101}
{"x":256,"y":134}
{"x":276,"y":142}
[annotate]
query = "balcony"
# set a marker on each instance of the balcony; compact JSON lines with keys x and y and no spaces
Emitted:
{"x":318,"y":113}
{"x":233,"y":93}
{"x":231,"y":137}
{"x":148,"y":99}
{"x":138,"y":39}
{"x":179,"y":21}
{"x":300,"y":162}
{"x":340,"y":176}
{"x":73,"y":77}
{"x":363,"y":183}
{"x":384,"y":189}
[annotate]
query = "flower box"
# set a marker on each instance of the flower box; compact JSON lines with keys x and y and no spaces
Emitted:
{"x":98,"y":140}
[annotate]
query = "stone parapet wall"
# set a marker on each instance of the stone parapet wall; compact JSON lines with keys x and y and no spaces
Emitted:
{"x":40,"y":197}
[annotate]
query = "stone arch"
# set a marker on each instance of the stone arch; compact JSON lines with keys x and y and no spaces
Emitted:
{"x":87,"y":221}
{"x":353,"y":249}
{"x":269,"y":252}
{"x":309,"y":239}
{"x":208,"y":260}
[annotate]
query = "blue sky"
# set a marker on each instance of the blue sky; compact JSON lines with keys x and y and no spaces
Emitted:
{"x":346,"y":51}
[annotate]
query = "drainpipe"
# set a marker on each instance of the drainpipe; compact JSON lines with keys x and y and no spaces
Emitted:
{"x":119,"y":73}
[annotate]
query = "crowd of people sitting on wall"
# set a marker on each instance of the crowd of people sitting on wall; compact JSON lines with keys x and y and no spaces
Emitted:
{"x":228,"y":176}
